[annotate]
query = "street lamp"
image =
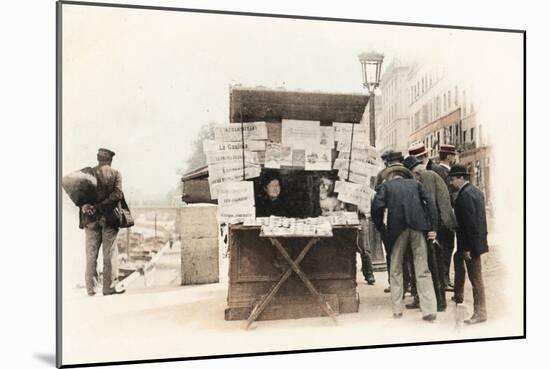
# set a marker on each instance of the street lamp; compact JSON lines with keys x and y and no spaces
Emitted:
{"x":371,"y":65}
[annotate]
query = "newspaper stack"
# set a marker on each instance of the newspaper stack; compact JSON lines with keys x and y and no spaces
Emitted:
{"x":281,"y":226}
{"x":340,"y":218}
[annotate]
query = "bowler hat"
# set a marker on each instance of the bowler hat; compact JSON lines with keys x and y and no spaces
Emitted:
{"x":394,"y":156}
{"x":447,"y":149}
{"x":418,"y":150}
{"x":385,"y":154}
{"x":411,"y":162}
{"x":458,"y":171}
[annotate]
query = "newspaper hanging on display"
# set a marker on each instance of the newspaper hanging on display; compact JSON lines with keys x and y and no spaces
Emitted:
{"x":236,"y":202}
{"x":303,"y":145}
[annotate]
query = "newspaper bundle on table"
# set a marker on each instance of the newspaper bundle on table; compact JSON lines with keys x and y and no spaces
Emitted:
{"x":338,"y":218}
{"x":293,"y":227}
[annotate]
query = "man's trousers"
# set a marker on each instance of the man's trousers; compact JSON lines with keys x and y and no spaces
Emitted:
{"x":98,"y":234}
{"x":423,"y":276}
{"x":476,"y":279}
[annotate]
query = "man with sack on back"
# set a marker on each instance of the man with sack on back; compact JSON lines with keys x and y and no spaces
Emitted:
{"x":101,"y":221}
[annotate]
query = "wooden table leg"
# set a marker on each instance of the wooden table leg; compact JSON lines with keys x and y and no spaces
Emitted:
{"x":260,"y":306}
{"x":322,"y":303}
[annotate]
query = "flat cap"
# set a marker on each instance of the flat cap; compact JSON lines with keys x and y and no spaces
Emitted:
{"x":105,"y":153}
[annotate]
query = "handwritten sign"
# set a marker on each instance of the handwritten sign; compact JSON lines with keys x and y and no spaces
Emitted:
{"x":236,"y":193}
{"x":236,"y":214}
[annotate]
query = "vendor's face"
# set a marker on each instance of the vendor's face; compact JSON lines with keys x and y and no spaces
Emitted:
{"x":325,"y":187}
{"x":423,"y":159}
{"x":273,"y":189}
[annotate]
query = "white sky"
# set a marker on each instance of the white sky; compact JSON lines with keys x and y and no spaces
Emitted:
{"x":142,"y":82}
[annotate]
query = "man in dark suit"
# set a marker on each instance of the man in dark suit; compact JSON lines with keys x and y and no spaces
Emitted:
{"x":447,"y":158}
{"x":411,"y":213}
{"x":393,"y":161}
{"x":471,"y":240}
{"x":101,"y":224}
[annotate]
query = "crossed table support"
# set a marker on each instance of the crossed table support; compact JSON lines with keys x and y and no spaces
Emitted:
{"x":294,"y":266}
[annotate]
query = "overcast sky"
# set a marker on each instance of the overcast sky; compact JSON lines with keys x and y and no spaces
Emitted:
{"x":142,"y":82}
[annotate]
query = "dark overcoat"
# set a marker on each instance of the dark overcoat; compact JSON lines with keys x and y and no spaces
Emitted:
{"x":266,"y":207}
{"x":109,"y":194}
{"x":471,"y":234}
{"x":409,"y":206}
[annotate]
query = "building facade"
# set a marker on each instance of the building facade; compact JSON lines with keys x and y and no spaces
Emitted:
{"x":442,"y":110}
{"x":393,"y":121}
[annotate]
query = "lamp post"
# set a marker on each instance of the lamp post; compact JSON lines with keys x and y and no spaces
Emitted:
{"x":371,"y":65}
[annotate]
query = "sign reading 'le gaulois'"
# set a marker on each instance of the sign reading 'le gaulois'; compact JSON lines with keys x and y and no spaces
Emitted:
{"x":214,"y":146}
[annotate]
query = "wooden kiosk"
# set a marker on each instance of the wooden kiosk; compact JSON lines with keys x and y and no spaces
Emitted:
{"x":318,"y":274}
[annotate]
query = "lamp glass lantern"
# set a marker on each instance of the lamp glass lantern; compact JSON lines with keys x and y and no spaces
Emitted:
{"x":371,"y":66}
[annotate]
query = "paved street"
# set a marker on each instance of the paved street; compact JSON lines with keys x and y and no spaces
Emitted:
{"x":164,"y":319}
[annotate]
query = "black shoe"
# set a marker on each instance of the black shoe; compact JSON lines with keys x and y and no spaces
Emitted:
{"x":113,"y":291}
{"x":387,"y":289}
{"x":91,"y":293}
{"x":370,"y":280}
{"x":429,"y":317}
{"x":413,"y":305}
{"x":457,"y":300}
{"x":397,"y":315}
{"x":441,"y":309}
{"x":475,"y":320}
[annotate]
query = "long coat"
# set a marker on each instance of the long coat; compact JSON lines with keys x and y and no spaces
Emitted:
{"x":109,"y":193}
{"x":472,"y":222}
{"x":437,"y":189}
{"x":409,"y":206}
